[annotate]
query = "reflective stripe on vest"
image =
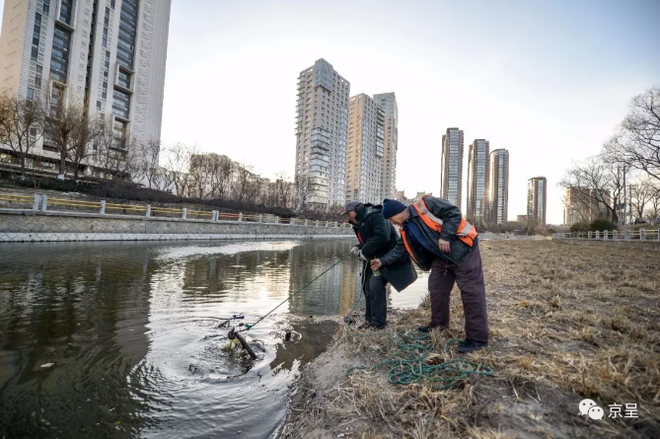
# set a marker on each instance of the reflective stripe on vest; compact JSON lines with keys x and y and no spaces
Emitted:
{"x":466,"y":232}
{"x":405,"y":242}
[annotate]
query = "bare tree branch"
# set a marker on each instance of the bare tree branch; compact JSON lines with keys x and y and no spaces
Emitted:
{"x":21,"y":126}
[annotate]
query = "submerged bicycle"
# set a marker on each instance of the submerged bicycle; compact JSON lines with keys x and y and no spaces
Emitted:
{"x":235,"y":333}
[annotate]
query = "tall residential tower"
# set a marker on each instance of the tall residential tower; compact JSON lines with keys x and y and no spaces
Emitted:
{"x":364,"y":165}
{"x":322,"y":133}
{"x":387,"y":101}
{"x":537,"y":199}
{"x":498,"y":187}
{"x":108,"y":55}
{"x":452,"y":166}
{"x":477,"y":180}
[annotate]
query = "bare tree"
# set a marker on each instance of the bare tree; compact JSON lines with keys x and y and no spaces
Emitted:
{"x":177,"y":164}
{"x":200,"y":179}
{"x":221,"y":172}
{"x":303,"y":189}
{"x":282,"y":192}
{"x":21,"y":126}
{"x":640,"y":195}
{"x":144,"y":163}
{"x":245,"y":186}
{"x":653,"y":211}
{"x":113,"y":155}
{"x":70,"y":131}
{"x":637,"y":144}
{"x":597,"y":186}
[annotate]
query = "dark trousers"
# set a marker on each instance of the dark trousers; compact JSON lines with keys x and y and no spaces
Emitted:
{"x":470,"y":279}
{"x":375,"y":297}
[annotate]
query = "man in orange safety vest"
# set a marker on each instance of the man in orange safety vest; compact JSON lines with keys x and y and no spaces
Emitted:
{"x":439,"y":239}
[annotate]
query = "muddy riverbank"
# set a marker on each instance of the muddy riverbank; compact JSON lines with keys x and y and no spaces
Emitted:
{"x":567,"y":323}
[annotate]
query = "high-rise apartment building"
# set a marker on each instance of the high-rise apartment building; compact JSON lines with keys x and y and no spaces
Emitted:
{"x":477,"y":180}
{"x":452,"y":166}
{"x":106,"y":55}
{"x":366,"y":121}
{"x":322,"y":133}
{"x":537,"y":188}
{"x":387,"y":101}
{"x":498,"y":187}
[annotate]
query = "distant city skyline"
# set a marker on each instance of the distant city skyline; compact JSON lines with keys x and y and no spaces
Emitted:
{"x":549,"y":81}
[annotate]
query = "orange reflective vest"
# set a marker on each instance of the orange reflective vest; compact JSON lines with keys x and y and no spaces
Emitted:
{"x":466,"y":232}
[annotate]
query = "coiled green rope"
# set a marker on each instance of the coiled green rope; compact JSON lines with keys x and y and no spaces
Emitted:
{"x":409,"y":357}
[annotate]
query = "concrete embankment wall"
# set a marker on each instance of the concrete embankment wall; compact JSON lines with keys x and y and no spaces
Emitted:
{"x":636,"y":244}
{"x":31,"y":226}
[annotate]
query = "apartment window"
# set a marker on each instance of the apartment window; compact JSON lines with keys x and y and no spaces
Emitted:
{"x":37,"y":76}
{"x":106,"y":25}
{"x":66,"y":11}
{"x":124,"y":79}
{"x":36,"y":36}
{"x":56,"y":100}
{"x":46,"y":7}
{"x":59,"y":60}
{"x":127,"y":31}
{"x":120,"y":133}
{"x":98,"y":105}
{"x":120,"y":103}
{"x":30,"y":94}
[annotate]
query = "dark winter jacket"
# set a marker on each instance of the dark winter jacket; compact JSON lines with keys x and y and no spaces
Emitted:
{"x":451,"y":217}
{"x":379,"y":239}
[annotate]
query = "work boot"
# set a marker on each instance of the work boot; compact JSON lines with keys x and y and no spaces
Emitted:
{"x":430,"y":327}
{"x":470,"y":346}
{"x":377,"y":326}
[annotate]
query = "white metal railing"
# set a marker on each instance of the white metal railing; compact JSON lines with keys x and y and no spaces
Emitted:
{"x":644,"y":234}
{"x":40,"y":203}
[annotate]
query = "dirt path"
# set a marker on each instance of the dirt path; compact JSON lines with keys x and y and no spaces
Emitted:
{"x":567,"y":323}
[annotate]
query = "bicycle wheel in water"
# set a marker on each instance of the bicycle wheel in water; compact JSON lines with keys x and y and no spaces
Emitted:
{"x":245,"y":345}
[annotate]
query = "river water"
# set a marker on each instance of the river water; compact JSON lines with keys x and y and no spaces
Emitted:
{"x":122,"y":340}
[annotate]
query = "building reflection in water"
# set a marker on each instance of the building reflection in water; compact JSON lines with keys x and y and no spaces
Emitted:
{"x":131,"y":330}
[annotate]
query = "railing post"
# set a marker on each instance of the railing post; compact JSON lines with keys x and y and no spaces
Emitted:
{"x":641,"y":234}
{"x":336,"y":224}
{"x":615,"y":234}
{"x":658,"y":237}
{"x":292,"y":221}
{"x":317,"y":223}
{"x":240,"y":216}
{"x":589,"y":235}
{"x":605,"y":233}
{"x":214,"y":216}
{"x":148,"y":212}
{"x":44,"y":203}
{"x":305,"y":222}
{"x":261,"y":217}
{"x":102,"y":209}
{"x":277,"y":220}
{"x":327,"y":223}
{"x":35,"y":206}
{"x":184,"y":215}
{"x":626,"y":235}
{"x":597,"y":234}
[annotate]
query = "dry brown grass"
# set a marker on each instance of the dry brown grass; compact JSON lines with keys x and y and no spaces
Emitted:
{"x":567,"y":322}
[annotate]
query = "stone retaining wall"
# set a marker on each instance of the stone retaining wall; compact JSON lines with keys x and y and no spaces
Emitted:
{"x":28,"y":225}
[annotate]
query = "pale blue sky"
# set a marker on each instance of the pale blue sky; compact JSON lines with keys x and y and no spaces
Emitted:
{"x":549,"y":81}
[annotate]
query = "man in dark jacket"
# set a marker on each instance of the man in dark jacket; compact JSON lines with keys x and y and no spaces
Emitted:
{"x":385,"y":256}
{"x":439,"y":239}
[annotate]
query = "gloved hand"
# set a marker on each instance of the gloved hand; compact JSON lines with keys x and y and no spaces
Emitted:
{"x":355,"y":250}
